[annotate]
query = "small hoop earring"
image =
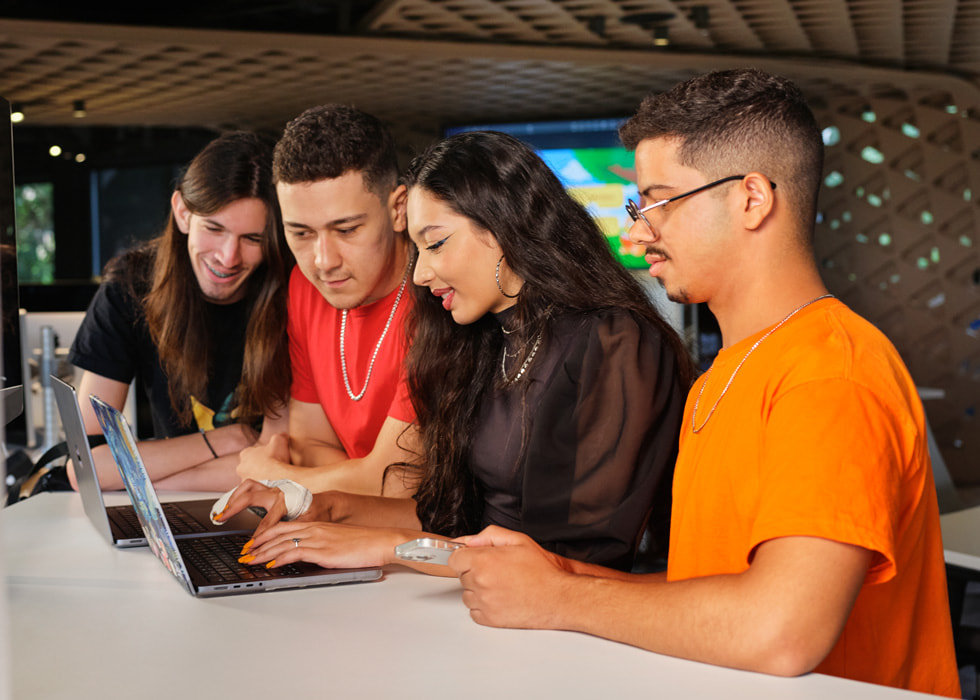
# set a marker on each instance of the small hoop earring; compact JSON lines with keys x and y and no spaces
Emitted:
{"x":497,"y":275}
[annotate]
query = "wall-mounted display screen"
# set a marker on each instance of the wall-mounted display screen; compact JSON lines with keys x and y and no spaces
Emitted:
{"x":589,"y":159}
{"x":11,"y":391}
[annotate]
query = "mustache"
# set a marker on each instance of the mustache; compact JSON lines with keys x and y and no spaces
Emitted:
{"x":657,"y":251}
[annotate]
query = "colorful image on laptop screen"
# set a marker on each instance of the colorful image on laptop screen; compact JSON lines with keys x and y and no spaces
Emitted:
{"x":123,"y":445}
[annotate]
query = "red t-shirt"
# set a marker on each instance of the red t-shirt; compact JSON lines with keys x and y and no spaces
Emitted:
{"x":822,"y":434}
{"x":314,"y":350}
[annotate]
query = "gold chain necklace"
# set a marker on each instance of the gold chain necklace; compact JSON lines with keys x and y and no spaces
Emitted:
{"x":697,"y":402}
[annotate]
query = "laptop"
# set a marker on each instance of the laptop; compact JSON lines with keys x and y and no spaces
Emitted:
{"x":119,"y":525}
{"x":12,"y":398}
{"x":207,"y":565}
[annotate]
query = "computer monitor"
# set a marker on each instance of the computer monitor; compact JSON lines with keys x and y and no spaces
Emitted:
{"x":11,"y":390}
{"x":589,"y":159}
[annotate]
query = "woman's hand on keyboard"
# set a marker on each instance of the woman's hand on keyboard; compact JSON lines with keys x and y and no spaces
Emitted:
{"x":252,"y":494}
{"x":331,"y":545}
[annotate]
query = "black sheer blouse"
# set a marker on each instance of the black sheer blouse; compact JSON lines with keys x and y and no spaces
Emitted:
{"x":579,"y":456}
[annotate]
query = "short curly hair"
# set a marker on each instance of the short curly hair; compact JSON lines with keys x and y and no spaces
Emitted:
{"x":737,"y":121}
{"x":327,"y":141}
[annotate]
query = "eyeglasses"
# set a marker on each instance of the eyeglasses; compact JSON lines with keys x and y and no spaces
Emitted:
{"x":633,"y":209}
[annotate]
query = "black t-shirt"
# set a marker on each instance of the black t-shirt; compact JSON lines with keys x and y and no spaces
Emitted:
{"x":114,"y":341}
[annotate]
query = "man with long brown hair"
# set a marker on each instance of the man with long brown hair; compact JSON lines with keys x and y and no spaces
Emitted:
{"x":343,"y":210}
{"x":197,"y":315}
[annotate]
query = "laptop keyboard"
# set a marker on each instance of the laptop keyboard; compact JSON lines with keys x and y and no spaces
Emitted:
{"x":216,"y":558}
{"x":180,"y":522}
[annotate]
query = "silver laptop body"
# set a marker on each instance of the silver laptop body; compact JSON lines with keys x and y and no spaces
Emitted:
{"x":191,"y":560}
{"x":119,"y":525}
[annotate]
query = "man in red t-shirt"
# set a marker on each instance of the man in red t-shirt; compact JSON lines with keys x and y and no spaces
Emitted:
{"x":336,"y":176}
{"x":804,"y":529}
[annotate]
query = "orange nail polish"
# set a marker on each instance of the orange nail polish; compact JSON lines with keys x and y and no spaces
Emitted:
{"x":247,"y":546}
{"x":270,"y":564}
{"x":246,"y":559}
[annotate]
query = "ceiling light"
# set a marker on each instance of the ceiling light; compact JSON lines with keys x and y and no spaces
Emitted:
{"x":54,"y":151}
{"x":655,"y":21}
{"x":78,"y":109}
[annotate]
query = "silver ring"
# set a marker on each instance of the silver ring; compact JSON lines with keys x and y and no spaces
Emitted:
{"x":296,"y":541}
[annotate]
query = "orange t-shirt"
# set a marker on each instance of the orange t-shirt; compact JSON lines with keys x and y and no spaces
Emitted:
{"x":822,"y":434}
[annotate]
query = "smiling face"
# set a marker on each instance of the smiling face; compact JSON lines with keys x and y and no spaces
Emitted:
{"x":344,"y":237}
{"x":687,"y":243}
{"x":225,"y":248}
{"x":457,"y":260}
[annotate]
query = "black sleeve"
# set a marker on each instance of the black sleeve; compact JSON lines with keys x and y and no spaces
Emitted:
{"x":108,"y":340}
{"x":602,"y":449}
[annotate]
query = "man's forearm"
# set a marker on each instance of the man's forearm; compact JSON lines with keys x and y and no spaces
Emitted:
{"x":782,"y":615}
{"x":587,"y":569}
{"x":352,"y":476}
{"x":714,"y":620}
{"x":216,"y":475}
{"x":163,"y":459}
{"x":314,"y":454}
{"x":368,"y":511}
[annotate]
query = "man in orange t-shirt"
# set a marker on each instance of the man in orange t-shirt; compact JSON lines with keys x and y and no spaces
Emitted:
{"x":805,"y":528}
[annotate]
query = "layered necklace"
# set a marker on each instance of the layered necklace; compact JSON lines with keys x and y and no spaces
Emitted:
{"x":694,"y":414}
{"x":343,"y":328}
{"x":526,"y":363}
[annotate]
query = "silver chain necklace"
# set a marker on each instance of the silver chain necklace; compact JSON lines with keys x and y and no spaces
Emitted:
{"x":520,"y":372}
{"x":343,"y":328}
{"x":697,"y":402}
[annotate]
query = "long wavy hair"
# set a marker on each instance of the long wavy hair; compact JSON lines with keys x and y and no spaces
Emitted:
{"x":555,"y":246}
{"x":235,"y":166}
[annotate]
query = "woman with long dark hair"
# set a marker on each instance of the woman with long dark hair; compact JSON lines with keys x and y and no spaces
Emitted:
{"x":198,"y":315}
{"x":547,"y":388}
